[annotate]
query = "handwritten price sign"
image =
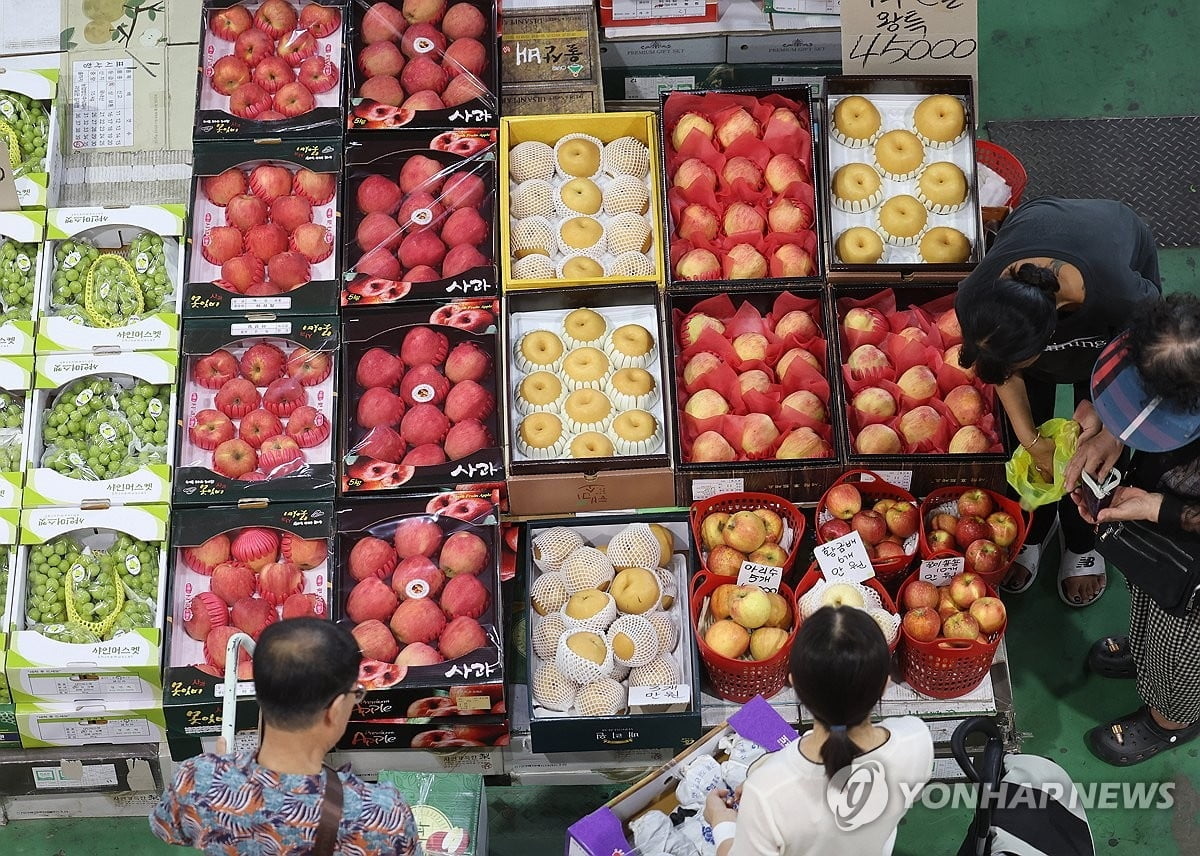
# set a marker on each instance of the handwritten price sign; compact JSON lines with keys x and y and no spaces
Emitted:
{"x":766,"y":577}
{"x":670,"y":694}
{"x":905,"y":37}
{"x":845,"y":559}
{"x":941,"y":571}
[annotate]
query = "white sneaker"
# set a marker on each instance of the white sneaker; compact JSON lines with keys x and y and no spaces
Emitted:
{"x":1030,"y":558}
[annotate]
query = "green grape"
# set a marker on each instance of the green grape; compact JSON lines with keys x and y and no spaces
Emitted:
{"x":114,"y":295}
{"x":16,"y":278}
{"x":30,"y":121}
{"x":10,"y":454}
{"x":45,"y":588}
{"x":74,"y":404}
{"x":4,"y":556}
{"x":148,"y":259}
{"x":145,"y":408}
{"x":12,"y":410}
{"x":72,"y":259}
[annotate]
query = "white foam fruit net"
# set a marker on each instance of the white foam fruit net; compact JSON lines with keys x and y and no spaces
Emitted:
{"x":530,"y":159}
{"x":811,"y":601}
{"x":634,"y":547}
{"x":552,"y":546}
{"x":627,"y":156}
{"x":599,"y":622}
{"x":626,"y":195}
{"x":662,"y":671}
{"x":580,"y":669}
{"x":631,"y":264}
{"x":548,"y":593}
{"x":602,"y":697}
{"x":627,"y":233}
{"x":639,"y":634}
{"x":546,"y":632}
{"x":888,"y":622}
{"x":667,"y":629}
{"x":587,"y":568}
{"x":552,"y":689}
{"x":532,"y":198}
{"x":666,"y":584}
{"x":533,"y":235}
{"x":534,"y":266}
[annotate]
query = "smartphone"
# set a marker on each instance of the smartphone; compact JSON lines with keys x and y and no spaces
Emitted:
{"x":1098,"y":496}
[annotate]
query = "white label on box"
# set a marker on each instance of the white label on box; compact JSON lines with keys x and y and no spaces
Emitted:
{"x":899,"y":478}
{"x":646,"y":696}
{"x":642,"y":88}
{"x":241,"y":690}
{"x":640,"y":10}
{"x":94,"y":776}
{"x":279,"y":328}
{"x":708,"y":488}
{"x":844,"y":559}
{"x":251,"y":304}
{"x":50,"y":686}
{"x":102,"y":104}
{"x":766,"y":577}
{"x":245,"y":741}
{"x":941,"y":571}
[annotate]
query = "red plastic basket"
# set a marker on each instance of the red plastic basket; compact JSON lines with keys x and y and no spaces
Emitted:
{"x":1006,"y":164}
{"x":873,"y":489}
{"x":814,"y":576}
{"x":946,"y":495}
{"x":730,"y":503}
{"x":740,"y":680}
{"x":947,"y":668}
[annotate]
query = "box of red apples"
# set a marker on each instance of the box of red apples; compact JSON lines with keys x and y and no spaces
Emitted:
{"x":750,"y":393}
{"x":256,"y":411}
{"x":423,"y":64}
{"x":421,"y":217}
{"x":270,"y":69}
{"x":739,"y":176}
{"x":418,"y":397}
{"x":908,"y":405}
{"x":418,"y":585}
{"x":265,"y":228}
{"x":237,"y":570}
{"x":901,"y":179}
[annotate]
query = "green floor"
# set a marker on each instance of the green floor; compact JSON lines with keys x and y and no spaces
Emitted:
{"x":1069,"y":58}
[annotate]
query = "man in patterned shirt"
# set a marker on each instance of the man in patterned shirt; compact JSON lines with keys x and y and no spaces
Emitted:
{"x":269,"y":801}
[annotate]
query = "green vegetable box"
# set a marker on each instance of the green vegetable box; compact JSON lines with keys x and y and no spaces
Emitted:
{"x":29,"y":125}
{"x":16,"y":413}
{"x":103,"y":430}
{"x":21,"y":234}
{"x":87,"y":613}
{"x":111,"y":277}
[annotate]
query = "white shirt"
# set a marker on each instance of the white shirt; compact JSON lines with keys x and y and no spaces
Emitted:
{"x":784,"y":811}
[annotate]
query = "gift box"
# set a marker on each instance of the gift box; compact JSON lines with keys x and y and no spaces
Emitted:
{"x":101,"y":429}
{"x":421,"y":221}
{"x":439,"y":428}
{"x":270,"y":69}
{"x":931,"y":203}
{"x":89,"y":722}
{"x":256,"y":412}
{"x":452,"y":808}
{"x":265,"y":228}
{"x":424,"y":67}
{"x":87,"y":609}
{"x":111,"y":278}
{"x":739,"y":180}
{"x":627,"y":13}
{"x":422,"y":734}
{"x":29,"y":120}
{"x":21,"y":234}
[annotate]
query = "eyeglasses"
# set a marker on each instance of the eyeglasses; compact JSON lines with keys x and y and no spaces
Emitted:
{"x":360,"y":692}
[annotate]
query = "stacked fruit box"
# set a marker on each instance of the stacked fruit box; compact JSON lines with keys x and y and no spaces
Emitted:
{"x":29,"y":117}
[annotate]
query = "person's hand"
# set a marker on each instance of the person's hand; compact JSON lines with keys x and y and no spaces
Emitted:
{"x":1088,"y":419}
{"x":1132,"y":503}
{"x":1078,"y":497}
{"x":221,"y":747}
{"x":717,"y":806}
{"x":1043,"y":458}
{"x":1094,"y":456}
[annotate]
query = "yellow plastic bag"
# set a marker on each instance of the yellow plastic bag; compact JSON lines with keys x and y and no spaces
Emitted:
{"x":1024,"y":477}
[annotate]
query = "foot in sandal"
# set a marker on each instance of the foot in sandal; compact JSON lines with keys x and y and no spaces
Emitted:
{"x":1138,"y":737}
{"x":1081,"y":578}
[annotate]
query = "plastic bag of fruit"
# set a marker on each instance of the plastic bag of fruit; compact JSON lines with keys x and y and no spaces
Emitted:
{"x":25,"y":127}
{"x":1023,"y":475}
{"x":17,"y":272}
{"x":110,"y":288}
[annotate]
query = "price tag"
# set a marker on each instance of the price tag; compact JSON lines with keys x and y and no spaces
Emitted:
{"x":280,"y":328}
{"x":8,"y":182}
{"x":670,"y":694}
{"x":766,"y":577}
{"x":251,"y":304}
{"x":908,"y":37}
{"x":481,"y":702}
{"x":899,"y":478}
{"x":845,"y":559}
{"x":708,"y":488}
{"x":940,"y":571}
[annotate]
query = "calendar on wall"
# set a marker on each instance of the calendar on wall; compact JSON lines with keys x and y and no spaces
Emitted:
{"x":102,"y":103}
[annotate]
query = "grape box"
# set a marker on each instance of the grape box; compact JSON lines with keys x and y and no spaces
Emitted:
{"x":29,"y":126}
{"x":10,"y":522}
{"x":21,"y":234}
{"x":88,"y":605}
{"x":111,"y":278}
{"x":16,"y":381}
{"x":103,"y":432}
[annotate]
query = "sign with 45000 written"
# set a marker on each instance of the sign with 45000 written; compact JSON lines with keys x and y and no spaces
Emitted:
{"x":901,"y":38}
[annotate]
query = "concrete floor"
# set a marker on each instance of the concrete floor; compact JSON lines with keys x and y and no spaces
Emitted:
{"x":1071,"y":58}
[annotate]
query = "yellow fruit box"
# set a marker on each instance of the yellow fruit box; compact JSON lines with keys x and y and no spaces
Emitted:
{"x":623,"y":254}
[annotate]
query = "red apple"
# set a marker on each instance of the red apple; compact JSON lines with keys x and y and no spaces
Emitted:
{"x":941,"y":541}
{"x":903,"y":519}
{"x":920,"y":593}
{"x":946,"y":605}
{"x":945,"y":522}
{"x":971,"y":528}
{"x":960,"y":626}
{"x":1004,"y":528}
{"x":990,"y":613}
{"x":984,"y":557}
{"x":977,"y":502}
{"x":966,"y":588}
{"x":843,"y":501}
{"x":833,"y":529}
{"x":922,"y":623}
{"x":872,"y":327}
{"x":870,"y":525}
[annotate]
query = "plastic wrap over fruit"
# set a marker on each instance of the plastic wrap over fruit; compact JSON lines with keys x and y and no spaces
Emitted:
{"x":110,"y":288}
{"x":25,"y":128}
{"x":17,"y":272}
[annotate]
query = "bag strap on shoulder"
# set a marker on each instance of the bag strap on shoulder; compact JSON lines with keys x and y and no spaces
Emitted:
{"x":331,"y":814}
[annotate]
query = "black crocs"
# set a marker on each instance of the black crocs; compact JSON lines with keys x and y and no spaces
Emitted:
{"x":1136,"y":738}
{"x":1111,"y":658}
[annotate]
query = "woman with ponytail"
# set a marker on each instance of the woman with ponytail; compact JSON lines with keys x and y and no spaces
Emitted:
{"x":796,"y":802}
{"x":1063,"y":277}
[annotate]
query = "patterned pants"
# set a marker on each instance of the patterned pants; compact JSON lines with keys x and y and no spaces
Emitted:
{"x":1166,"y":651}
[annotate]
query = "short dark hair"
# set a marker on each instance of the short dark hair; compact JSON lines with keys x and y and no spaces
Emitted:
{"x":1007,"y":323}
{"x":300,"y":666}
{"x":1164,"y":341}
{"x":839,"y":665}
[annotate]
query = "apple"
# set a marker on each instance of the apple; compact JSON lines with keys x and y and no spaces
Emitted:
{"x":945,"y":521}
{"x":966,"y":588}
{"x":773,"y":522}
{"x":873,"y":404}
{"x":903,"y":519}
{"x":965,"y":404}
{"x":749,"y":606}
{"x":745,"y":531}
{"x":725,"y":560}
{"x":765,"y":642}
{"x":769,"y":554}
{"x":871,"y":326}
{"x":948,"y":326}
{"x":989,"y":612}
{"x":727,"y":638}
{"x":870,"y":525}
{"x":843,"y":501}
{"x":975,"y":501}
{"x":781,"y":613}
{"x":711,"y":527}
{"x":883,"y":505}
{"x":867,"y":359}
{"x":961,"y":625}
{"x":877,"y":440}
{"x":946,"y":605}
{"x":718,"y":604}
{"x":969,"y":440}
{"x":920,"y":593}
{"x":832,"y":529}
{"x":888,"y":550}
{"x":842,"y":594}
{"x":922,"y":623}
{"x":984,"y":557}
{"x":918,"y":383}
{"x":971,"y":528}
{"x":1004,"y":528}
{"x":941,"y":541}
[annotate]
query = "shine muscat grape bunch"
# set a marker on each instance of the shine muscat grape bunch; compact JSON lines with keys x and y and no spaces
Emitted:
{"x":25,"y":127}
{"x":99,"y":428}
{"x":243,"y":581}
{"x":107,"y":288}
{"x":80,"y":591}
{"x":267,"y":409}
{"x":12,"y":421}
{"x":268,"y":240}
{"x":282,"y":58}
{"x":17,"y":271}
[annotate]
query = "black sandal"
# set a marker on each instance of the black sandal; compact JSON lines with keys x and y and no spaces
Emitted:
{"x":1136,"y":738}
{"x":1111,"y":658}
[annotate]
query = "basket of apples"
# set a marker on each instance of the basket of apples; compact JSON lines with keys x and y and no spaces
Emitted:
{"x":980,"y":524}
{"x":744,"y":634}
{"x":732,"y":528}
{"x":950,"y":633}
{"x":815,"y":591}
{"x":890,"y":526}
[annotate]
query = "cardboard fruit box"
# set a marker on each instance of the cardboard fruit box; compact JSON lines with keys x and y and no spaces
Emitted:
{"x":421,"y":220}
{"x":936,"y":422}
{"x":30,"y":115}
{"x":267,"y":563}
{"x":265,"y":228}
{"x":270,"y":69}
{"x":423,"y":734}
{"x":440,"y":428}
{"x":752,"y":404}
{"x":628,"y":13}
{"x":87,"y":722}
{"x":740,"y":177}
{"x":101,"y":429}
{"x":65,"y":646}
{"x":16,"y":416}
{"x":910,"y":258}
{"x":256,"y":415}
{"x":111,"y":278}
{"x":21,"y":234}
{"x":612,"y":152}
{"x":552,"y":479}
{"x":423,"y":66}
